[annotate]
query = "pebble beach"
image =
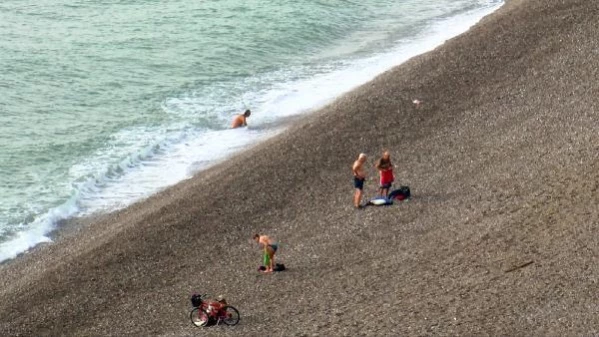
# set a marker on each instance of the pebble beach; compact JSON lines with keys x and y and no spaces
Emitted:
{"x":501,"y":156}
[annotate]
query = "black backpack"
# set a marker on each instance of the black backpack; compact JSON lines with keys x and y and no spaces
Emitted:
{"x":400,"y":194}
{"x":196,"y":300}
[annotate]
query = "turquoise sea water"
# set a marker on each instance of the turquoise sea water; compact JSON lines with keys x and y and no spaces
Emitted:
{"x":105,"y":102}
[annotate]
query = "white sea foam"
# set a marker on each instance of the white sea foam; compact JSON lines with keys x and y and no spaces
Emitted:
{"x":154,"y":158}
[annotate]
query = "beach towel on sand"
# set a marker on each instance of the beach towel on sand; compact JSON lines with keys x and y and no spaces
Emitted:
{"x":380,"y":201}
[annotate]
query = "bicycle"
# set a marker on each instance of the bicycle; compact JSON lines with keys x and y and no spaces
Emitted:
{"x":205,"y":312}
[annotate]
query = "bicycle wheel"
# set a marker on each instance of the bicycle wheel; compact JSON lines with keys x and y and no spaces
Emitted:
{"x":198,"y":317}
{"x":231,"y":316}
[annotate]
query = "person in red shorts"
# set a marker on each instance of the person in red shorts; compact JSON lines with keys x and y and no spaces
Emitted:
{"x":385,"y":168}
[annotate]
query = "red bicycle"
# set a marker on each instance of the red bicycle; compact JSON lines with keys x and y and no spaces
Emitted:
{"x":207,"y":312}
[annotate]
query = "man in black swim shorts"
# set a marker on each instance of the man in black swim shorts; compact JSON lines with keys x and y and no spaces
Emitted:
{"x":359,"y":177}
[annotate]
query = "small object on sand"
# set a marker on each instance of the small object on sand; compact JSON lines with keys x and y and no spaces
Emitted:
{"x":380,"y":201}
{"x":277,"y":267}
{"x":417,"y":102}
{"x":519,"y":266}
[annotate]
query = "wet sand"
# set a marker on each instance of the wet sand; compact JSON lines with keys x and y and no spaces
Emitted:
{"x":499,"y":237}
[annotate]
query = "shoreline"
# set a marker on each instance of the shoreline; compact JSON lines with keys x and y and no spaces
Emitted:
{"x":71,"y":226}
{"x":279,"y":125}
{"x":485,"y":155}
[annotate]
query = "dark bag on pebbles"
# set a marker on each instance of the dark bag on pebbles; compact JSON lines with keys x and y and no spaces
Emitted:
{"x":277,"y":267}
{"x":196,"y":300}
{"x":400,"y":194}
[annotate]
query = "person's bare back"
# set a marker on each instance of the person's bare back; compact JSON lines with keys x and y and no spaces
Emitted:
{"x":241,"y":120}
{"x":264,"y":240}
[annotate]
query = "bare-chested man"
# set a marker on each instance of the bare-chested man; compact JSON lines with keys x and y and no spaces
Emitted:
{"x":270,"y":248}
{"x":359,"y":177}
{"x":241,"y":120}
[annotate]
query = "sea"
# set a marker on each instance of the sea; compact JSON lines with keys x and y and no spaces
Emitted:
{"x":106,"y":102}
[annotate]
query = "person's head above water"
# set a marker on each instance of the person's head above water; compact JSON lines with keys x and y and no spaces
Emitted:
{"x":247,"y":113}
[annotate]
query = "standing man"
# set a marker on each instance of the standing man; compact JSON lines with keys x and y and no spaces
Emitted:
{"x":241,"y":120}
{"x":359,"y":177}
{"x":385,"y":168}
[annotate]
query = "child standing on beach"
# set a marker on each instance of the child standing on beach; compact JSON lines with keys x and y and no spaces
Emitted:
{"x":386,"y":173}
{"x":270,"y":248}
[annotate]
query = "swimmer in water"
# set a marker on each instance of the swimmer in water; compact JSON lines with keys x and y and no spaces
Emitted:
{"x":241,"y":120}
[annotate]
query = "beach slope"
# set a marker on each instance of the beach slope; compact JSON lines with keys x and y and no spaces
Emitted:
{"x":499,"y":238}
